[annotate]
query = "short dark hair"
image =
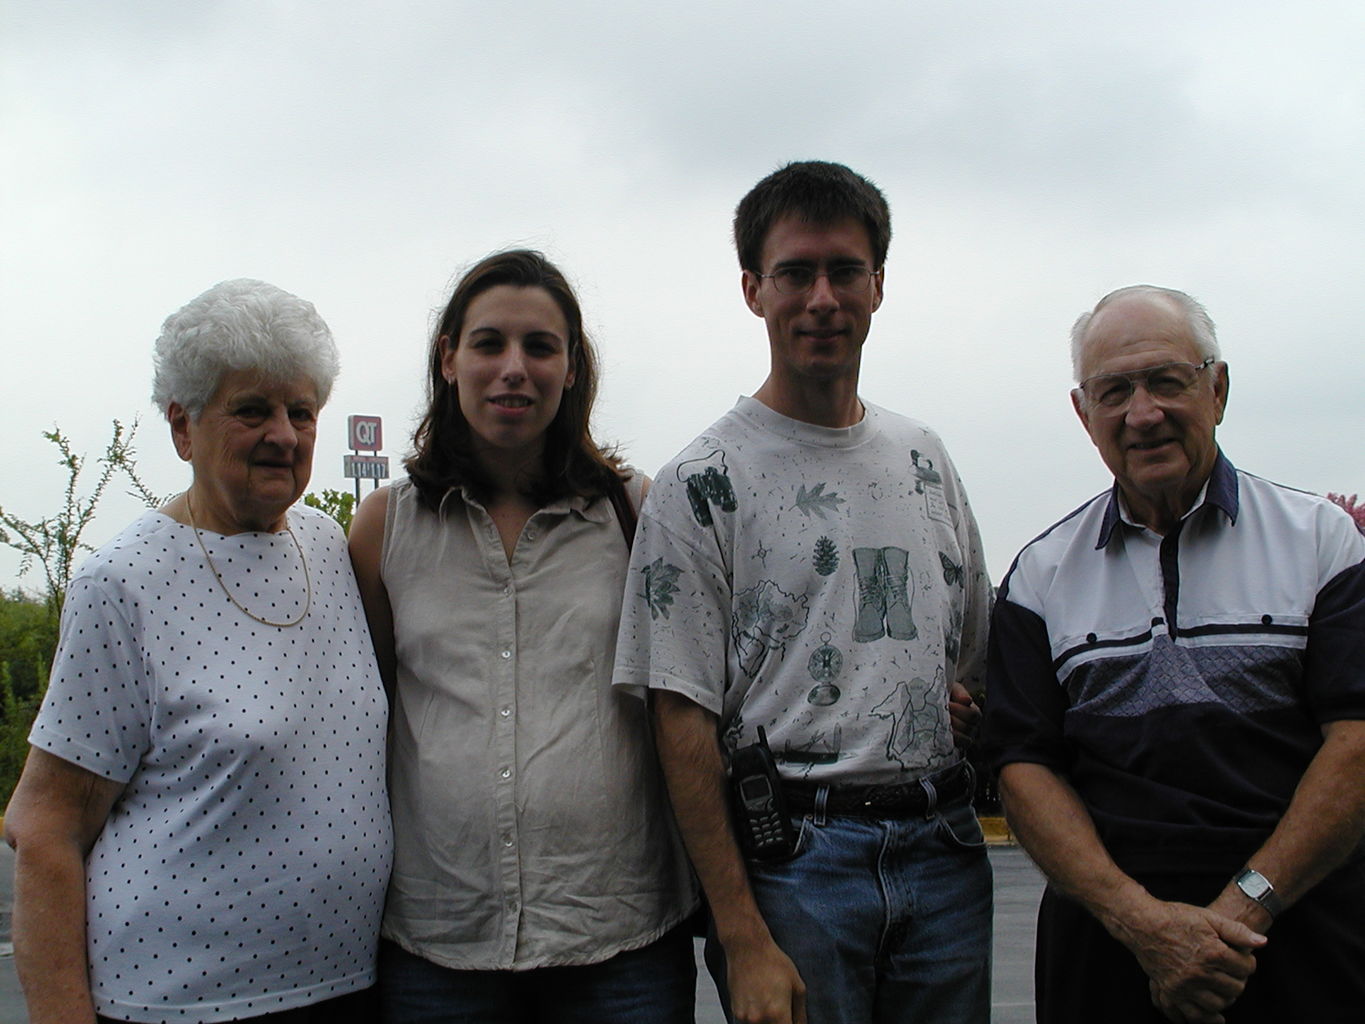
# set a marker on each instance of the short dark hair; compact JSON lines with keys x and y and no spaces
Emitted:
{"x":819,"y":193}
{"x":443,"y":456}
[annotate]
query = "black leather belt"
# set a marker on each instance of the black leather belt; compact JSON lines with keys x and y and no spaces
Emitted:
{"x":950,"y":786}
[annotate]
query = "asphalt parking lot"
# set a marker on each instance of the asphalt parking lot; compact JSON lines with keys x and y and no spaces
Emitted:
{"x":1018,"y":886}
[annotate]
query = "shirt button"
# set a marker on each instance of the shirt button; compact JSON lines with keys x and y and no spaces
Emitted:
{"x":506,"y":654}
{"x":506,"y":773}
{"x":507,"y":841}
{"x":511,"y":904}
{"x":504,"y":712}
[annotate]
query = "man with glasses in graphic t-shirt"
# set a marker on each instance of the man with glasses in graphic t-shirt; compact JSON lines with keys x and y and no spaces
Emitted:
{"x":808,"y":577}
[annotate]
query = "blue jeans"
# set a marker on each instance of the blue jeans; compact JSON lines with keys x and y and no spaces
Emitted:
{"x":653,"y":985}
{"x":887,"y":921}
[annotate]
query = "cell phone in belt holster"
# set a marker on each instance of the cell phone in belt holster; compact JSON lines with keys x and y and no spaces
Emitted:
{"x":757,"y":804}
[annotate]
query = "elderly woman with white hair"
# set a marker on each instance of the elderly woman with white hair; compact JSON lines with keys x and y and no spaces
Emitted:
{"x":202,"y":827}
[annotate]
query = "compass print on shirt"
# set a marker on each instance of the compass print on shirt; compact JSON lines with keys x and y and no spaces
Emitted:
{"x":826,"y":662}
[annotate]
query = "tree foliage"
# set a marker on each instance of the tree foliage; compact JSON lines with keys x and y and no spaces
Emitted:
{"x":1354,"y":508}
{"x":28,"y":638}
{"x":340,"y":505}
{"x":54,"y":544}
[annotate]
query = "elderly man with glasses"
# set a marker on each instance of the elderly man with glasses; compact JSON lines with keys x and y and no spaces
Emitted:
{"x":1177,"y":681}
{"x":810,"y":603}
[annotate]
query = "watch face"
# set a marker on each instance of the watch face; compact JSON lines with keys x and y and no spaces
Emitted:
{"x":1253,"y":884}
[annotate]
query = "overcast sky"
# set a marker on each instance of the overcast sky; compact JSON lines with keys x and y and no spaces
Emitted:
{"x":360,"y":155}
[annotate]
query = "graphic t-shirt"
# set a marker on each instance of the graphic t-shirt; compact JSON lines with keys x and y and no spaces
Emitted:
{"x":826,"y":584}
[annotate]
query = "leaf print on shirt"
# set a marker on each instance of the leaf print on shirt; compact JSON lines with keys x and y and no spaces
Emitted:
{"x":660,"y":586}
{"x":816,"y":501}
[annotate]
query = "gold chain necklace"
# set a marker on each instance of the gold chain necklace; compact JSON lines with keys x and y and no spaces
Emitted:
{"x":307,"y":581}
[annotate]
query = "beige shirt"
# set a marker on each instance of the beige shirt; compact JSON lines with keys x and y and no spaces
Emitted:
{"x":531,"y":824}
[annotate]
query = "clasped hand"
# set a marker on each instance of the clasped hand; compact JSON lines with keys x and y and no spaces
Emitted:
{"x":1197,"y":960}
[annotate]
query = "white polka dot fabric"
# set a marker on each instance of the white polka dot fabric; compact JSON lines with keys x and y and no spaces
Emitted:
{"x":242,"y":872}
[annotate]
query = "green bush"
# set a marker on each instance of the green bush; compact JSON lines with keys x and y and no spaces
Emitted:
{"x":340,"y":505}
{"x":52,"y":543}
{"x":28,"y":638}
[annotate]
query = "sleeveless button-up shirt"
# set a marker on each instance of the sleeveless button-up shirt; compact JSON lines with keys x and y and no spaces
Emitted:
{"x":531,"y":824}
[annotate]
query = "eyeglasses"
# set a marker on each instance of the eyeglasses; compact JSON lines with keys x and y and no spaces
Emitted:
{"x":1169,"y":381}
{"x":852,"y":277}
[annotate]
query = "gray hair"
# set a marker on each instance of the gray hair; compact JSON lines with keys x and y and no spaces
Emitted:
{"x":1197,"y":318}
{"x":240,"y":325}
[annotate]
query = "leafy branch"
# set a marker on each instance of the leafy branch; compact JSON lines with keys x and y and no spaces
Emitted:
{"x":54,"y":542}
{"x":1354,"y":508}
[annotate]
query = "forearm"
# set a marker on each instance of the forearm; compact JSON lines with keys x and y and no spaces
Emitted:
{"x":694,"y":770}
{"x":764,"y":985}
{"x":1054,"y":827}
{"x":1321,"y":827}
{"x":53,"y":818}
{"x":49,"y":933}
{"x":1197,"y":959}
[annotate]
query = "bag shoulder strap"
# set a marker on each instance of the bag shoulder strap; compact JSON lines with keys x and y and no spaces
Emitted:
{"x":625,"y":498}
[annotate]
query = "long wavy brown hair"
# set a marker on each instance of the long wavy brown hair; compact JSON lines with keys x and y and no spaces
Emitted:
{"x":574,"y":465}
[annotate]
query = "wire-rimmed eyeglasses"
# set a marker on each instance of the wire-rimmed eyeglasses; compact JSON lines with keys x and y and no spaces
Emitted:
{"x":850,"y":278}
{"x":1169,"y":381}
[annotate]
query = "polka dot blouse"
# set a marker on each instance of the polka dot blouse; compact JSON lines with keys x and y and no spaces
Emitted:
{"x":242,"y":871}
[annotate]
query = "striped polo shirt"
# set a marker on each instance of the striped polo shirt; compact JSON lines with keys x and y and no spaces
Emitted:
{"x":1180,"y":682}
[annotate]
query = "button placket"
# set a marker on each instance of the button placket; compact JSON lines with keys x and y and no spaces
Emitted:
{"x":504,"y":753}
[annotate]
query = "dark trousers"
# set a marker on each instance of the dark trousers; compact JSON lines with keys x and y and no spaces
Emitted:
{"x":1312,"y":969}
{"x":356,"y":1008}
{"x":656,"y":984}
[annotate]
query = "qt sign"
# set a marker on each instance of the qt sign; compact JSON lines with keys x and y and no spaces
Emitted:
{"x":366,"y":433}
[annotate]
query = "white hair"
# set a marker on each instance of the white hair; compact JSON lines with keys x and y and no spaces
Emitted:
{"x":240,"y":325}
{"x":1197,"y":318}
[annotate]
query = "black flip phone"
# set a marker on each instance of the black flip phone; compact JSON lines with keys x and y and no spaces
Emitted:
{"x":759,"y":809}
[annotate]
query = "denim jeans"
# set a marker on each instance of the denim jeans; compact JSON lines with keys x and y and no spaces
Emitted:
{"x":888,"y":921}
{"x":653,"y":985}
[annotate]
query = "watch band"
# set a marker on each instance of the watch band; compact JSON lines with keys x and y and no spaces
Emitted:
{"x":1257,"y":887}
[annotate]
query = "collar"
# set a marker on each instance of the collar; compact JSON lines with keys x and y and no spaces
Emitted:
{"x":594,"y":510}
{"x":801,"y":432}
{"x":1219,"y":491}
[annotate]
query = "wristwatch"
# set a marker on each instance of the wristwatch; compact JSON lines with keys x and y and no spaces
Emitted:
{"x":1257,"y":887}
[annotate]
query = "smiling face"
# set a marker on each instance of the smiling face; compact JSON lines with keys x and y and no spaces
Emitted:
{"x":251,"y":449}
{"x":510,"y":368}
{"x":1160,"y":450}
{"x":816,"y":334}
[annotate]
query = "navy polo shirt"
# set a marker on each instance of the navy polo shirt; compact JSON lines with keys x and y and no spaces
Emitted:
{"x":1180,"y":683}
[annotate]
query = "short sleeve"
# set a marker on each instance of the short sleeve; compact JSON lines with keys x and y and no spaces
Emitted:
{"x":675,"y":614}
{"x":971,"y":663}
{"x":1025,"y":705}
{"x":97,"y":710}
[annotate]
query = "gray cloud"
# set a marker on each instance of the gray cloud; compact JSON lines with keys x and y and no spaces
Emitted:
{"x":361,"y":154}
